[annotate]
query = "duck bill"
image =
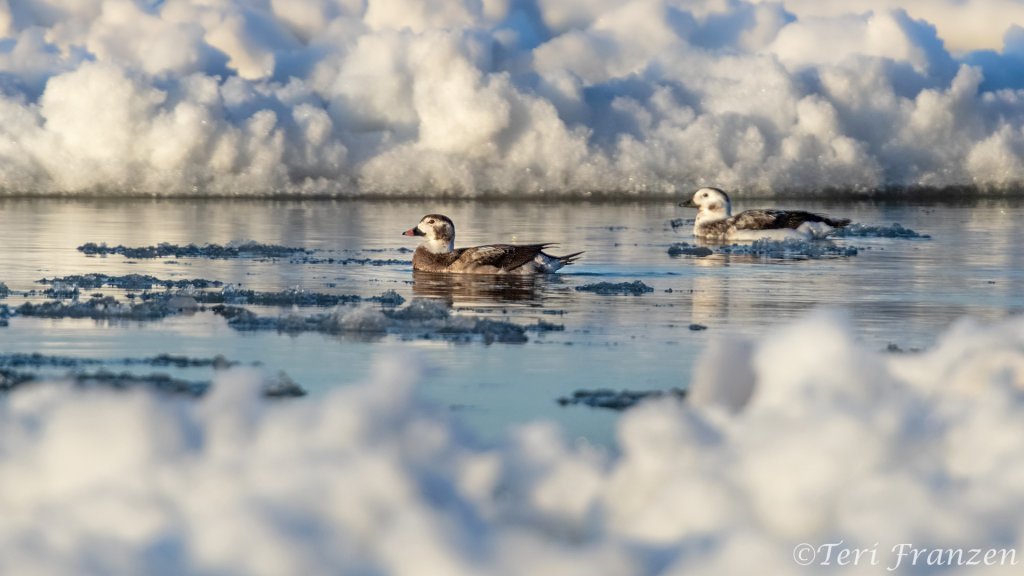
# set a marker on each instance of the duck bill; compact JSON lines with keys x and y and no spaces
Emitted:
{"x":688,"y":204}
{"x":413,"y":232}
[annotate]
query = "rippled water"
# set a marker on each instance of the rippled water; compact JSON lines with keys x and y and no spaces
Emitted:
{"x":899,"y":291}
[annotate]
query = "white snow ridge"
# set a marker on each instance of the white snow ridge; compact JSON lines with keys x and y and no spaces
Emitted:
{"x":508,"y":97}
{"x":805,"y":437}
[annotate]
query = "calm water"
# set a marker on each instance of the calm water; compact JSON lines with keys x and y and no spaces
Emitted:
{"x":899,"y":291}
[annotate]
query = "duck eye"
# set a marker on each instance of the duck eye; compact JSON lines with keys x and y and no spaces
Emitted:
{"x":705,"y":195}
{"x":430,"y":221}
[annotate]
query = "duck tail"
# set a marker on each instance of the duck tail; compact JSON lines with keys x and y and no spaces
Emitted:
{"x":569,"y":258}
{"x":837,"y":222}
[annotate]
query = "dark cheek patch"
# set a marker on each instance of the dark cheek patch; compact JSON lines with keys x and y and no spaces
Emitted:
{"x":714,"y":206}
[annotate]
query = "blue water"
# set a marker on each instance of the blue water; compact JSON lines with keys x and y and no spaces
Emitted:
{"x":899,"y":291}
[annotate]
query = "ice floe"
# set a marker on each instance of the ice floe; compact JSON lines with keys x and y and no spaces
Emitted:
{"x":789,"y":249}
{"x":277,"y":386}
{"x":214,"y":251}
{"x":128,"y":282}
{"x":616,"y":399}
{"x":420,"y":319}
{"x":636,"y":288}
{"x":110,"y":308}
{"x":687,"y":249}
{"x":895,"y":230}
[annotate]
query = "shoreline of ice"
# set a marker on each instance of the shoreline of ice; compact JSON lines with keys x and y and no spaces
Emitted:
{"x":327,"y":99}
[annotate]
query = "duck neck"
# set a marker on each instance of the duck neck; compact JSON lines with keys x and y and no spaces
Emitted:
{"x":709,"y":216}
{"x":439,"y":245}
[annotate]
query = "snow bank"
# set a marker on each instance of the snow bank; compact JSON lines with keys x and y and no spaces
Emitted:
{"x":508,"y":97}
{"x":803,"y":437}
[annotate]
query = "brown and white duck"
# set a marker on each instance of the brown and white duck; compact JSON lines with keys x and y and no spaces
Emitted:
{"x":715,"y":220}
{"x":437,"y":253}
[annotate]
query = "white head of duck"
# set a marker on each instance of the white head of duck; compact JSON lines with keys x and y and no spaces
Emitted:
{"x":438,"y":231}
{"x":712,"y":205}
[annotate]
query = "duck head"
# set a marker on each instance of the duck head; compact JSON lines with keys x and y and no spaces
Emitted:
{"x":712,"y":204}
{"x":438,"y":232}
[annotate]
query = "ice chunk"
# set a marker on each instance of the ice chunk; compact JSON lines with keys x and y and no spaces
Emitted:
{"x":636,"y":288}
{"x":895,"y":230}
{"x":789,"y":249}
{"x":616,"y":399}
{"x":128,"y":282}
{"x":421,"y":318}
{"x":214,"y":251}
{"x":685,"y":249}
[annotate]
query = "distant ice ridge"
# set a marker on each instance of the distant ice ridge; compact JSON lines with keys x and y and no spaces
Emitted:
{"x":806,"y":436}
{"x":508,"y":97}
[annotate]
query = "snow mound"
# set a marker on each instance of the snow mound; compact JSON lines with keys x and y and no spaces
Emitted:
{"x":803,"y":437}
{"x":509,"y":97}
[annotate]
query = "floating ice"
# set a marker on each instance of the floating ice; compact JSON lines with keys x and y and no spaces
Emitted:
{"x":636,"y":288}
{"x":789,"y":249}
{"x":292,"y":297}
{"x":686,"y":249}
{"x":894,"y":230}
{"x":20,"y":369}
{"x":616,"y":399}
{"x":110,"y":308}
{"x":37,"y":360}
{"x":509,"y":97}
{"x":278,"y":386}
{"x":420,"y":319}
{"x":281,"y":385}
{"x":216,"y":251}
{"x":833,"y":442}
{"x":352,"y":261}
{"x":163,"y":383}
{"x":128,"y":282}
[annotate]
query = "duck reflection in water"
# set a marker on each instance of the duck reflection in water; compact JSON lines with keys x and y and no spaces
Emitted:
{"x":471,"y":289}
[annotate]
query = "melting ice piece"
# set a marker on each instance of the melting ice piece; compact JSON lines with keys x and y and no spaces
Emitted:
{"x":895,"y":230}
{"x":636,"y":288}
{"x":789,"y":249}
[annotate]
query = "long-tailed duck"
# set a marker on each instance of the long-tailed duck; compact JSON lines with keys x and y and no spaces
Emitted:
{"x":716,"y":222}
{"x":437,"y":253}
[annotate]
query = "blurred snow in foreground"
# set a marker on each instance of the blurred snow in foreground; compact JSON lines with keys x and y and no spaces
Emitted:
{"x":805,"y":436}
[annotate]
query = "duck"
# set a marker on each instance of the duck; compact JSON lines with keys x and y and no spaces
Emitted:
{"x":715,"y":220}
{"x":437,"y":253}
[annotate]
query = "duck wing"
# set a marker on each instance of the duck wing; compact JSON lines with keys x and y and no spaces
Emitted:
{"x":503,"y":256}
{"x":776,"y":219}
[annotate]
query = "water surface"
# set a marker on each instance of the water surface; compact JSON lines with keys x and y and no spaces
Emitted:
{"x":899,"y":291}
